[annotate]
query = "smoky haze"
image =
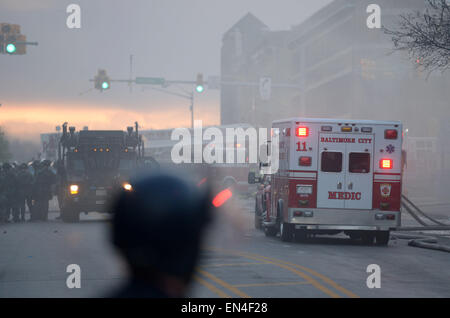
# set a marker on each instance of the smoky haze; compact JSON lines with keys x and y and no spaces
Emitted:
{"x":171,"y":39}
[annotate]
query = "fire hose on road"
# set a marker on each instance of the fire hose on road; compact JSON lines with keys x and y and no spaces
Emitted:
{"x":422,"y":241}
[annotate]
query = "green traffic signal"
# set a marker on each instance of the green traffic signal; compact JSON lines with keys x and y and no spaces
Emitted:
{"x":11,"y":48}
{"x":200,"y":88}
{"x":105,"y":85}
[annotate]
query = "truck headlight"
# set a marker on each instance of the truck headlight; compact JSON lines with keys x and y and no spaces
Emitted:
{"x":304,"y":189}
{"x":73,"y":189}
{"x":127,"y":187}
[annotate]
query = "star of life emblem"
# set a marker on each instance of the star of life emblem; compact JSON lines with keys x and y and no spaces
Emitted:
{"x":390,"y":148}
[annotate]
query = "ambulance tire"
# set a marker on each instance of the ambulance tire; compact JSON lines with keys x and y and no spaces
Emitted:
{"x":368,"y":237}
{"x":286,"y":232}
{"x":270,"y":231}
{"x":257,"y":217}
{"x":301,"y":235}
{"x":382,"y":238}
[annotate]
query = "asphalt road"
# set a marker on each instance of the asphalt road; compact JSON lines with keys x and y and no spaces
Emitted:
{"x":237,"y":261}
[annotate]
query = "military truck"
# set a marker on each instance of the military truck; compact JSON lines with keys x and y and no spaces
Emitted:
{"x":92,"y":165}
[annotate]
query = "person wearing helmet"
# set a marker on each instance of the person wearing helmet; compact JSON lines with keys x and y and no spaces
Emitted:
{"x":10,"y":191}
{"x":158,"y":225}
{"x":25,"y":180}
{"x":42,"y":190}
{"x":2,"y":196}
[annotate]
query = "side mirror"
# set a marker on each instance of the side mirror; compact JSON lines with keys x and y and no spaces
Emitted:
{"x":251,"y":178}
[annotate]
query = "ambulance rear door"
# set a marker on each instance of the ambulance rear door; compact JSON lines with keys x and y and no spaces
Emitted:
{"x":331,"y":172}
{"x":359,"y":171}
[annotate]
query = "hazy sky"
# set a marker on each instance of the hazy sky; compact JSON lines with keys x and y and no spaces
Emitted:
{"x":174,"y":39}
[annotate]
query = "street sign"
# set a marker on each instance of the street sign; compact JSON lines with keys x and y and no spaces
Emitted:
{"x":265,"y":88}
{"x":150,"y":80}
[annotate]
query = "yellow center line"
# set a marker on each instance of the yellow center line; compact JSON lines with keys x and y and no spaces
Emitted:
{"x":232,"y":264}
{"x":272,"y":284}
{"x":284,"y":263}
{"x":318,"y":275}
{"x":308,"y":278}
{"x":211,"y":287}
{"x":223,"y":283}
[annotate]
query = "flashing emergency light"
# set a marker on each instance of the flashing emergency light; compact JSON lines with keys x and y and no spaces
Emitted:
{"x":302,"y":132}
{"x":127,"y":187}
{"x":73,"y":189}
{"x":390,"y":134}
{"x":222,"y":197}
{"x":386,"y":163}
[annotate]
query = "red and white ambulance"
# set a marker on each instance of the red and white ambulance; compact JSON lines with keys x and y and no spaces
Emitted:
{"x":336,"y":176}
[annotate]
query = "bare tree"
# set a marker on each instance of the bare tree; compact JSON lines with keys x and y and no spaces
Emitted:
{"x":425,"y":36}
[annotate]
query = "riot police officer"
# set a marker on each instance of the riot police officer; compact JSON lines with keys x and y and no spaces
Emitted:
{"x":10,"y":190}
{"x":42,"y":190}
{"x":158,"y":227}
{"x":2,"y":196}
{"x":25,"y":181}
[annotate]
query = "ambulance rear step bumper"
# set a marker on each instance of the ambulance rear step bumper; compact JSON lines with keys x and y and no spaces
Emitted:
{"x":343,"y":227}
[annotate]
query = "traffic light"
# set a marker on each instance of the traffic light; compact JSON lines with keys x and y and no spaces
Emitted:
{"x":102,"y":81}
{"x":200,"y":86}
{"x":11,"y":41}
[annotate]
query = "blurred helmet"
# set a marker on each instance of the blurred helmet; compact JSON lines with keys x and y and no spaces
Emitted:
{"x":6,"y":166}
{"x":46,"y":163}
{"x":159,"y":222}
{"x":36,"y":163}
{"x":23,"y":166}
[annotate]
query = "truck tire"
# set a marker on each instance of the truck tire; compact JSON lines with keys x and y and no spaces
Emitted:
{"x":70,"y":215}
{"x":382,"y":238}
{"x":286,"y":232}
{"x":270,"y":231}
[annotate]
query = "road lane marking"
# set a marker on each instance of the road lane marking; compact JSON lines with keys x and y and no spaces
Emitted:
{"x":318,"y":275}
{"x":211,"y":287}
{"x":232,"y":264}
{"x":308,"y":278}
{"x":223,"y":283}
{"x":272,"y":284}
{"x":312,"y":272}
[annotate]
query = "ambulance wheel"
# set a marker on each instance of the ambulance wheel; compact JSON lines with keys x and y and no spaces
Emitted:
{"x":368,"y":237}
{"x":257,"y":217}
{"x":301,"y":235}
{"x":382,"y":238}
{"x":286,"y":232}
{"x":270,"y":231}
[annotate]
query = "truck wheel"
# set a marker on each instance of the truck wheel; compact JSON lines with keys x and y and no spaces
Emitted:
{"x":382,"y":238}
{"x":286,"y":233}
{"x":270,"y":231}
{"x":70,"y":215}
{"x":367,"y":237}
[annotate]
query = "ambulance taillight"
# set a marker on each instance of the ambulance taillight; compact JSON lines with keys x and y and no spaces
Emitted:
{"x":386,"y":163}
{"x":305,"y":161}
{"x":302,"y":132}
{"x":390,"y":134}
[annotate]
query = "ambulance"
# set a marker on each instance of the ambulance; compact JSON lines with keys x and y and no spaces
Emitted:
{"x":336,"y":176}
